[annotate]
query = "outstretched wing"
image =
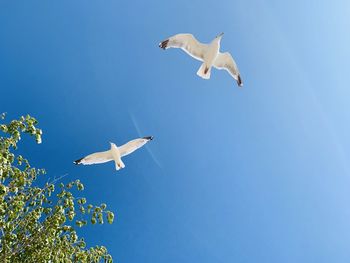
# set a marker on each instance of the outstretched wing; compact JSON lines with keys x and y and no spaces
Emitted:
{"x":133,"y":145}
{"x":95,"y":158}
{"x":225,"y":61}
{"x":187,"y":43}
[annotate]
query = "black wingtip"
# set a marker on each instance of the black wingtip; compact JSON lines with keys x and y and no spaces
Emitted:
{"x":239,"y":81}
{"x":150,"y":138}
{"x":164,"y":44}
{"x":78,"y":161}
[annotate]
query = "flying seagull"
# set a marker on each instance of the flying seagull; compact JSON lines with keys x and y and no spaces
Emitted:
{"x":115,"y":153}
{"x":209,"y":54}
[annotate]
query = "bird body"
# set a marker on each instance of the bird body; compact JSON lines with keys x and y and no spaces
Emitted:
{"x":116,"y":157}
{"x":208,"y":58}
{"x":115,"y":153}
{"x":209,"y":54}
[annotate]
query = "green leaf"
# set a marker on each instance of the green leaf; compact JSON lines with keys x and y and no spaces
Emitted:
{"x":110,"y":217}
{"x":35,"y":222}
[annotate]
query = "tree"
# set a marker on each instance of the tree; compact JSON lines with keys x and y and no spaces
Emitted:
{"x":37,"y":224}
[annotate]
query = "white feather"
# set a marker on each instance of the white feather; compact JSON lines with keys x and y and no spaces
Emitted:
{"x":132,"y":146}
{"x":114,"y":154}
{"x":209,"y":54}
{"x":225,"y":61}
{"x":189,"y":44}
{"x":98,"y":157}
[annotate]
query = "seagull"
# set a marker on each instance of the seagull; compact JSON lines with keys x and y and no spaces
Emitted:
{"x":115,"y":153}
{"x":209,"y":54}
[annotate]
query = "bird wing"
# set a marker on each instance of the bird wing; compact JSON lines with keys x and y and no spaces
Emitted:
{"x":225,"y":61}
{"x":188,"y":43}
{"x":133,"y":145}
{"x":95,"y":158}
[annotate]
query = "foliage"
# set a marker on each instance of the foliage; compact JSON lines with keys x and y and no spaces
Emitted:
{"x":37,"y":224}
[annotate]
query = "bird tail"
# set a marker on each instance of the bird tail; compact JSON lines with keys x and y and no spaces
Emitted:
{"x":119,"y":164}
{"x":204,"y":71}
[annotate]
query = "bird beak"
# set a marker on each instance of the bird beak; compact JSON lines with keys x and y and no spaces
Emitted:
{"x":220,"y":35}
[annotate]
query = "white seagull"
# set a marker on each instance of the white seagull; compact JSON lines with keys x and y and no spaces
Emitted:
{"x":115,"y":153}
{"x":209,"y":54}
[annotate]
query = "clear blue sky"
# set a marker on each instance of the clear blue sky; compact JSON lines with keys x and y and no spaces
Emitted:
{"x":258,"y":174}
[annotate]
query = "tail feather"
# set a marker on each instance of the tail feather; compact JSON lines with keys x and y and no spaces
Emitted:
{"x":119,"y":164}
{"x":204,"y":71}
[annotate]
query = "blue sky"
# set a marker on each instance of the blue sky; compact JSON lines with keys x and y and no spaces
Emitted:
{"x":258,"y":174}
